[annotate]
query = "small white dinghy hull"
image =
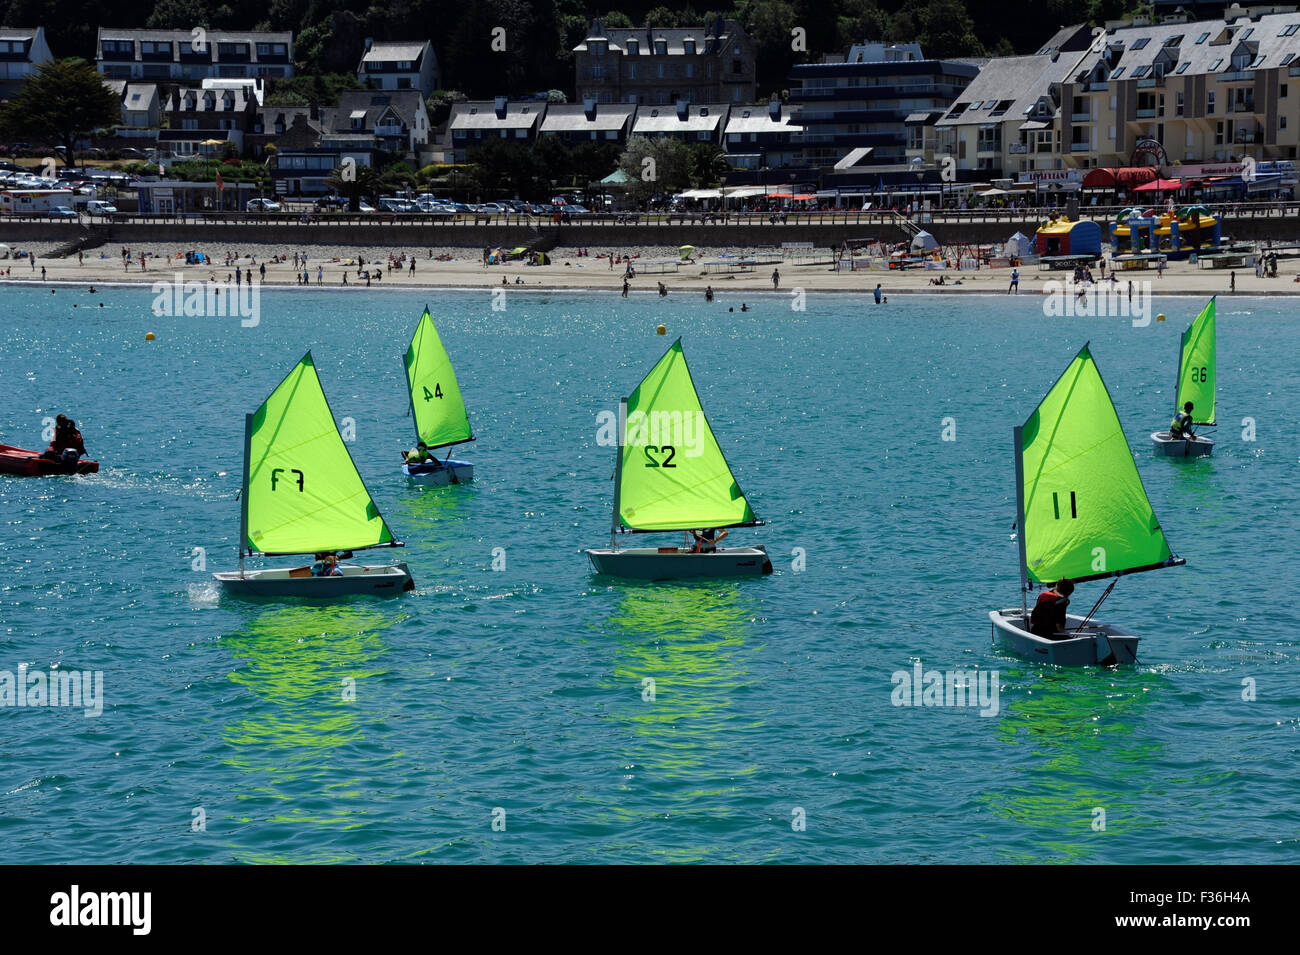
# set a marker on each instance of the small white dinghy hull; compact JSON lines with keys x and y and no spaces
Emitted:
{"x":1169,"y":446}
{"x":381,"y":580}
{"x":436,"y":477}
{"x":674,"y":563}
{"x":1098,"y":643}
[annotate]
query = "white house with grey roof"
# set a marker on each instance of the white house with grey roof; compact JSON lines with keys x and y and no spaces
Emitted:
{"x":475,"y":120}
{"x":128,"y":53}
{"x":1005,"y":121}
{"x":22,"y":51}
{"x":688,"y":122}
{"x":399,"y":65}
{"x":758,"y":137}
{"x":589,"y":122}
{"x":141,"y":107}
{"x":397,"y":120}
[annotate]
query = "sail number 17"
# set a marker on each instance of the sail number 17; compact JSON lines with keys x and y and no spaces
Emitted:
{"x":436,"y":393}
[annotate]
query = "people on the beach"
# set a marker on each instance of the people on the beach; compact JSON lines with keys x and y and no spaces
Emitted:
{"x":663,"y":290}
{"x":625,"y":288}
{"x":776,"y":278}
{"x":1015,"y":282}
{"x":708,"y":293}
{"x":878,"y":293}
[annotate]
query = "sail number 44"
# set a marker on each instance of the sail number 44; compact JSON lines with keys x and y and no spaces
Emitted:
{"x":436,"y":393}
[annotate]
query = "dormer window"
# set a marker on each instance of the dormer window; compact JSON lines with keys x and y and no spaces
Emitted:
{"x":704,"y":111}
{"x":661,"y":47}
{"x":633,"y":47}
{"x":689,"y":46}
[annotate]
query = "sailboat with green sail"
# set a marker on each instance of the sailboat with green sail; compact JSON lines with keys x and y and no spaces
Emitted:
{"x":302,"y":494}
{"x":437,"y":409}
{"x":1196,"y":381}
{"x":1083,"y":515}
{"x":671,"y":475}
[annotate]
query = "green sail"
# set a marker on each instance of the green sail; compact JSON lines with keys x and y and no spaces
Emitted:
{"x":302,"y":492}
{"x":1196,"y":368}
{"x":672,"y":474}
{"x":440,"y":417}
{"x":1086,"y":514}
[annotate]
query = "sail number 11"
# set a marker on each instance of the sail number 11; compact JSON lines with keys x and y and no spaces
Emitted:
{"x":437,"y":392}
{"x":1056,"y":506}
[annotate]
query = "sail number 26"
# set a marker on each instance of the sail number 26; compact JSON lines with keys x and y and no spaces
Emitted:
{"x":436,"y":393}
{"x":665,"y":462}
{"x":1200,"y":374}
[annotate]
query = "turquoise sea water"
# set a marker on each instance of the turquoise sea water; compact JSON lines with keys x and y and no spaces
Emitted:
{"x":522,"y":689}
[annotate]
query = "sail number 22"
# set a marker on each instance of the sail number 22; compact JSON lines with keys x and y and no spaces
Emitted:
{"x":665,"y":462}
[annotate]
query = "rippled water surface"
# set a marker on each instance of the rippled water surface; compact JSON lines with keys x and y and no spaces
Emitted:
{"x":522,"y":689}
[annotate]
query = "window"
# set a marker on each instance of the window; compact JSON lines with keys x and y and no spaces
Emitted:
{"x":689,"y":47}
{"x":1178,"y":105}
{"x":660,"y":70}
{"x":631,"y":71}
{"x":978,"y":104}
{"x":1202,"y":38}
{"x":1245,"y":35}
{"x":1281,"y":91}
{"x":1141,"y":71}
{"x":1288,"y":58}
{"x":1281,"y":122}
{"x":633,"y":47}
{"x":737,"y":67}
{"x":1215,"y":65}
{"x":661,"y":47}
{"x":1209,"y":103}
{"x":1117,"y":74}
{"x":1141,"y":44}
{"x":1290,"y":30}
{"x":1182,"y":68}
{"x":690,"y":70}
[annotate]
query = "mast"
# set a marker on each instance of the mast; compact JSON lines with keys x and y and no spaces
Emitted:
{"x":618,"y":470}
{"x":1020,"y":521}
{"x":410,"y":398}
{"x":243,"y":508}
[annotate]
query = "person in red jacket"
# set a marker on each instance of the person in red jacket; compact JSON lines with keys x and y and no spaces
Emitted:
{"x":1048,"y":616}
{"x":67,"y":444}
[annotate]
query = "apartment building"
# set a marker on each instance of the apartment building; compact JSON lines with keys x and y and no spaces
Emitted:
{"x":864,"y":100}
{"x":1186,"y":92}
{"x":657,"y":66}
{"x":399,"y":65}
{"x":190,"y":56}
{"x":22,"y":51}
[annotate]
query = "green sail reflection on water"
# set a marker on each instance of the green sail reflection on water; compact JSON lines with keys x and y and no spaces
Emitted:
{"x":440,"y":417}
{"x":1086,"y":513}
{"x":302,"y":492}
{"x":1196,"y":367}
{"x":672,"y":473}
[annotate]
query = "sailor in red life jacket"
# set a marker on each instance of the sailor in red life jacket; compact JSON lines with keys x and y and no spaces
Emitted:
{"x":1048,"y":616}
{"x":67,"y":444}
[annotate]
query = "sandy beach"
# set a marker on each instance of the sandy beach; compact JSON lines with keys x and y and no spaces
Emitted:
{"x":464,"y":268}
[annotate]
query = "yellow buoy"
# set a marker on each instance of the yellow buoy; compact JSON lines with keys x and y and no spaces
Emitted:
{"x":149,"y":336}
{"x":1160,"y":317}
{"x":661,"y":330}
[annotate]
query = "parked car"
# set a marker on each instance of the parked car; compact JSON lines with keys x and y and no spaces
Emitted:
{"x":262,"y":205}
{"x":62,"y":212}
{"x":130,"y":152}
{"x":330,"y":204}
{"x":366,"y":207}
{"x":97,"y":207}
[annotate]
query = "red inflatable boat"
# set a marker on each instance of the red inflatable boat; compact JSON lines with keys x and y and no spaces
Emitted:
{"x":26,"y":463}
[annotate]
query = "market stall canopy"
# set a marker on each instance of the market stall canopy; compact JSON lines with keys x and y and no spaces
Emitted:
{"x":1120,"y":177}
{"x":616,"y":178}
{"x":1160,"y":185}
{"x":702,"y":194}
{"x":923,"y":241}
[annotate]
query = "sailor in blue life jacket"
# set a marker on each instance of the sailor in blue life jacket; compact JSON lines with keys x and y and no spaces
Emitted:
{"x":1181,"y":426}
{"x":326,"y":565}
{"x":420,"y":458}
{"x":706,"y":541}
{"x":1047,"y":619}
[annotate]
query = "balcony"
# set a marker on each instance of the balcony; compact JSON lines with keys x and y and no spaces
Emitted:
{"x":1017,"y":148}
{"x":1248,"y":136}
{"x":1081,"y":117}
{"x":1146,"y":114}
{"x":1150,"y":82}
{"x":1096,"y":87}
{"x":1236,"y":76}
{"x":1080,"y":147}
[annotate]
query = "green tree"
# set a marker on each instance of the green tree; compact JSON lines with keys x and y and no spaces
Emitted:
{"x":655,"y":165}
{"x":63,"y":102}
